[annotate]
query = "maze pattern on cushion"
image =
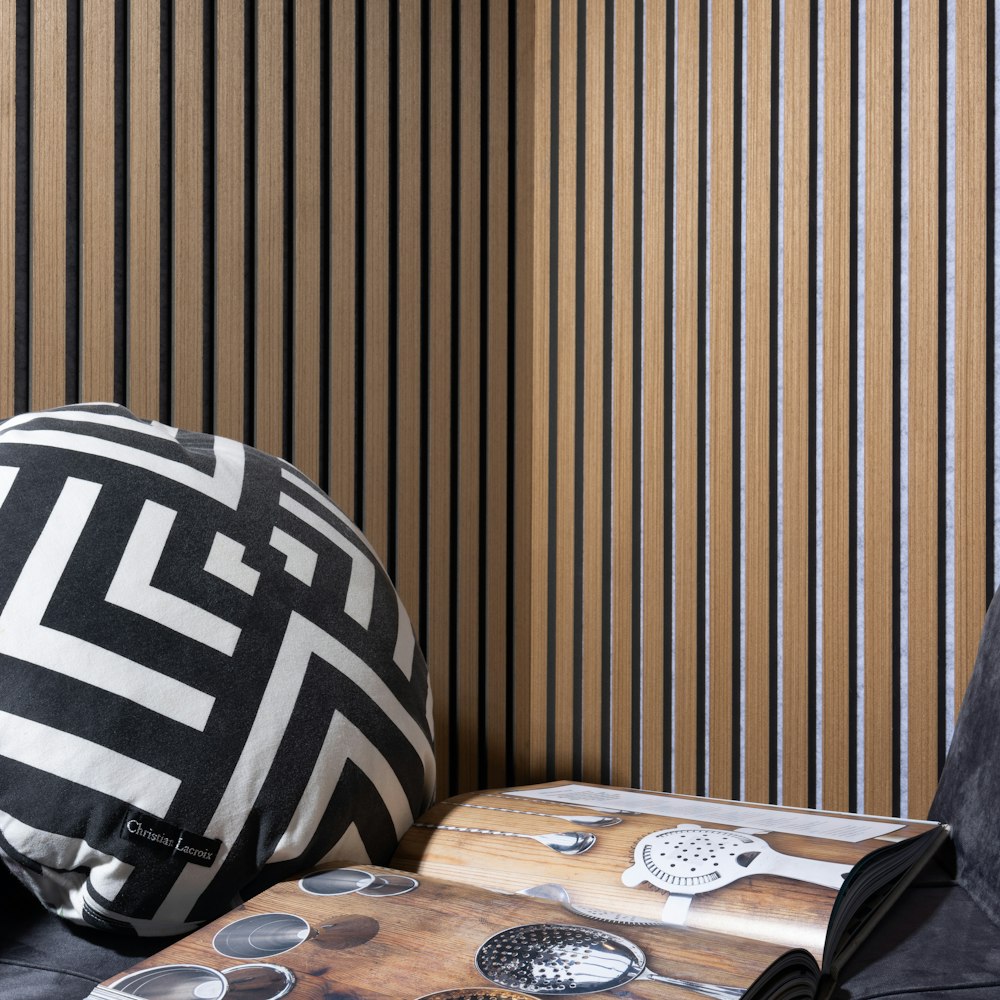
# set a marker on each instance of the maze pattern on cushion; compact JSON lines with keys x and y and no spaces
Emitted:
{"x":207,"y":680}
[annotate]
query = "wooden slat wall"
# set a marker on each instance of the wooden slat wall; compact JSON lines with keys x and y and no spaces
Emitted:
{"x":512,"y":281}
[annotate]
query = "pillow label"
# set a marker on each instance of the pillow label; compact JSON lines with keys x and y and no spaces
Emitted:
{"x":169,"y":840}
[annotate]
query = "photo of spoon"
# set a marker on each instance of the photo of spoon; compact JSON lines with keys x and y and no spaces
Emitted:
{"x":569,"y":842}
{"x":593,"y":821}
{"x":558,"y":894}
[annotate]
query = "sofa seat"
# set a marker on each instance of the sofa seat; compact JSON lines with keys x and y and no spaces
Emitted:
{"x":935,"y":944}
{"x":43,"y":957}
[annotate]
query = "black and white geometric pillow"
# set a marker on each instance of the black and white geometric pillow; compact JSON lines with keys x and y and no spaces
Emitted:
{"x":207,"y":680}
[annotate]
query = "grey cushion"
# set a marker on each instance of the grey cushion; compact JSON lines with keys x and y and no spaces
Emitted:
{"x":968,"y":794}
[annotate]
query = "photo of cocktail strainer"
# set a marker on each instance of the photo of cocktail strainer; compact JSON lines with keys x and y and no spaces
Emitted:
{"x":570,"y":960}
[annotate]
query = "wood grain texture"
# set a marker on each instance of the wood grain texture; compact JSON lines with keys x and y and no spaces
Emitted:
{"x":878,"y":395}
{"x":924,"y":432}
{"x":622,"y":390}
{"x":269,"y":409}
{"x":722,"y":338}
{"x":409,"y":458}
{"x":524,"y":141}
{"x":565,"y":464}
{"x":758,"y":400}
{"x":498,"y":339}
{"x":970,"y":337}
{"x":468,"y":411}
{"x":375,"y":461}
{"x":837,"y":544}
{"x":541,"y":288}
{"x":343,"y":246}
{"x":795,"y":334}
{"x":656,"y":597}
{"x":307,"y":278}
{"x":189,"y":219}
{"x":97,"y":192}
{"x":230,"y":219}
{"x":594,"y":570}
{"x":143,"y":383}
{"x":48,"y":206}
{"x":686,"y":622}
{"x":440,"y":413}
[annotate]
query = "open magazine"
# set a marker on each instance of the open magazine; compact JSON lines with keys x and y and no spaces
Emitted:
{"x":563,"y":889}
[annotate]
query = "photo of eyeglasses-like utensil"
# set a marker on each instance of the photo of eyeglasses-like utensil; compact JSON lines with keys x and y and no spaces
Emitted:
{"x":342,"y":881}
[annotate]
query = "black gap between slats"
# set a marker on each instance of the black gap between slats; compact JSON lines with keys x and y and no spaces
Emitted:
{"x":288,"y":232}
{"x":121,"y":198}
{"x":897,"y":414}
{"x":456,"y":415}
{"x":22,"y":207}
{"x":512,"y":248}
{"x":668,"y":401}
{"x":578,"y":383}
{"x":606,"y":322}
{"x":360,"y":252}
{"x":424,"y":310}
{"x":736,"y":676}
{"x":166,"y":209}
{"x":326,"y":87}
{"x":73,"y":51}
{"x":813,"y":449}
{"x":208,"y":220}
{"x":635,"y":763}
{"x":250,"y":224}
{"x":772,"y":574}
{"x":852,"y":509}
{"x":393,"y":414}
{"x":485,"y":554}
{"x":701,"y":445}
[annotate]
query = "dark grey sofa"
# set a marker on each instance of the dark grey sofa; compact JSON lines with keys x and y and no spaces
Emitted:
{"x":940,"y":942}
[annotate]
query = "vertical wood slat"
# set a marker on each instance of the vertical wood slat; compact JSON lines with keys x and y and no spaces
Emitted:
{"x":143,"y":210}
{"x":97,"y":188}
{"x":525,"y":141}
{"x":468,"y":403}
{"x":686,"y":400}
{"x":723,"y":614}
{"x":342,"y":183}
{"x":498,"y":207}
{"x":837,"y":544}
{"x":538,"y":718}
{"x":230,"y":218}
{"x":656,"y":526}
{"x":375,"y":462}
{"x":923,"y":411}
{"x":188,"y":222}
{"x":970,"y":337}
{"x":622,"y":391}
{"x":439,"y":388}
{"x":48,"y":205}
{"x":594,"y":569}
{"x":758,"y":393}
{"x":8,"y":88}
{"x":407,"y":317}
{"x":796,"y":408}
{"x":878,"y":395}
{"x":565,"y":291}
{"x":269,"y":324}
{"x":306,"y":352}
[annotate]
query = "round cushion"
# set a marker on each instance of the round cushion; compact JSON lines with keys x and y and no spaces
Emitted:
{"x":207,"y":680}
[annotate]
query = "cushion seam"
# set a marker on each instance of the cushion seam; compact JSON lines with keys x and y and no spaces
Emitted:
{"x":933,"y":989}
{"x":45,"y":968}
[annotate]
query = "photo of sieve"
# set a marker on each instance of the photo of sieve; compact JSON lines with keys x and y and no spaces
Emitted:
{"x":570,"y":960}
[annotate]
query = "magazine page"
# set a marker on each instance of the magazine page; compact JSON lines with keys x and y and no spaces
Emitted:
{"x":364,"y":932}
{"x":752,"y":871}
